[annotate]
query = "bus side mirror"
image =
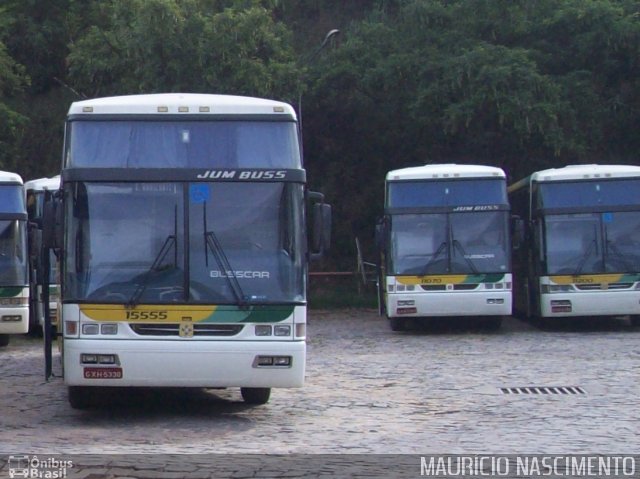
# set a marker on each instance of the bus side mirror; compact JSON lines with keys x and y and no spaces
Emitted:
{"x":321,"y":226}
{"x":52,"y":220}
{"x":517,"y":235}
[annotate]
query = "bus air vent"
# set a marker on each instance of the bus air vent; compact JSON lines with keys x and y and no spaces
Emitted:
{"x":155,"y":329}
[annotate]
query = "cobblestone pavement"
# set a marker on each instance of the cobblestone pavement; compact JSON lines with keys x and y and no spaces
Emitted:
{"x":430,"y":390}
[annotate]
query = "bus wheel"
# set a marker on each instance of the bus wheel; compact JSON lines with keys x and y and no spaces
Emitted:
{"x":79,"y":397}
{"x":4,"y":340}
{"x":255,"y":395}
{"x":397,"y":324}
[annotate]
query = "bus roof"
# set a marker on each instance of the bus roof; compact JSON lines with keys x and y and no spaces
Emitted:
{"x":9,"y":177}
{"x":43,"y":184}
{"x":586,"y":172}
{"x":180,"y":103}
{"x":445,"y":171}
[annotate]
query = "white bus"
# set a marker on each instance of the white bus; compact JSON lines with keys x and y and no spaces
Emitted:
{"x":14,"y":286}
{"x":580,"y":252}
{"x":36,"y":191}
{"x":184,"y":246}
{"x":445,"y":244}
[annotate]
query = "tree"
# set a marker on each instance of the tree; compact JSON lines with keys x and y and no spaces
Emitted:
{"x":189,"y":45}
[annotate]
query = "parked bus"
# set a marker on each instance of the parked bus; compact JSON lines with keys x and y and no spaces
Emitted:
{"x":580,"y":252}
{"x":445,"y":244}
{"x":184,"y":246}
{"x":36,"y":191}
{"x":14,"y":286}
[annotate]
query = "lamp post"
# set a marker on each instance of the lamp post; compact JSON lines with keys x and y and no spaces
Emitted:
{"x":327,"y":37}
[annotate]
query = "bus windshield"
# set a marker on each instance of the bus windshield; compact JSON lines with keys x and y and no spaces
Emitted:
{"x":568,"y":194}
{"x":207,"y":243}
{"x":13,"y":257}
{"x":592,"y":243}
{"x":182,"y":144}
{"x":456,"y":243}
{"x":420,"y":193}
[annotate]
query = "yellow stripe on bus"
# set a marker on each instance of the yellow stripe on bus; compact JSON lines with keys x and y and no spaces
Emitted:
{"x":448,"y":279}
{"x":147,"y":313}
{"x":586,"y":279}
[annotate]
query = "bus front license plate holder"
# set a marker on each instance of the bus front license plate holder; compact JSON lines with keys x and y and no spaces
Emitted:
{"x":103,"y":373}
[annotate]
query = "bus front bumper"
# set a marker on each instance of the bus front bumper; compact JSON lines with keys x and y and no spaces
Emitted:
{"x":405,"y":305}
{"x":161,"y":363}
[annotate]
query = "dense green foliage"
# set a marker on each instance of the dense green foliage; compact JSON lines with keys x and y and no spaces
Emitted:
{"x":518,"y":84}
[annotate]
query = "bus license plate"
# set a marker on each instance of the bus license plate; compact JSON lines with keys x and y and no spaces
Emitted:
{"x":103,"y":373}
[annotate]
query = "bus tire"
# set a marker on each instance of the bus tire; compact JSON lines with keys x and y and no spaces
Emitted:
{"x":255,"y":395}
{"x":80,"y":397}
{"x":397,"y":324}
{"x":4,"y":340}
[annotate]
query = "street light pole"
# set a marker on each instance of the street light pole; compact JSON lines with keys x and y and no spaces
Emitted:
{"x":327,"y":37}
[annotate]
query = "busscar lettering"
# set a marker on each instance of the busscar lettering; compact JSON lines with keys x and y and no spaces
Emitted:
{"x":240,"y":274}
{"x":243,"y":175}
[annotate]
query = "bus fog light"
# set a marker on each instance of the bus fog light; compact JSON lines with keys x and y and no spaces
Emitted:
{"x":107,"y":359}
{"x":272,"y":361}
{"x":282,"y":361}
{"x":110,"y":329}
{"x":282,"y":330}
{"x":263,"y":330}
{"x":89,"y":358}
{"x":264,"y":361}
{"x":301,"y":330}
{"x":90,"y":329}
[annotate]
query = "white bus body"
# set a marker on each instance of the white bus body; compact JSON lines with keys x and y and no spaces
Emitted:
{"x":185,"y":255}
{"x":581,"y":252}
{"x":14,"y":287}
{"x":445,"y":244}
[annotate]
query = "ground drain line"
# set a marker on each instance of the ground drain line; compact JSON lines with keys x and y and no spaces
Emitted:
{"x":541,"y":390}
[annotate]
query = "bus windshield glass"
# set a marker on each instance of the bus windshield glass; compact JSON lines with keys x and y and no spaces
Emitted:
{"x":456,"y":243}
{"x":12,"y":199}
{"x":591,"y":243}
{"x":411,"y":194}
{"x":202,"y":243}
{"x":182,"y":144}
{"x":607,"y":193}
{"x":13,"y":257}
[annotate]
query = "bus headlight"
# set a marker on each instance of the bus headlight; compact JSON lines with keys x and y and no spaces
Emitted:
{"x":282,"y":330}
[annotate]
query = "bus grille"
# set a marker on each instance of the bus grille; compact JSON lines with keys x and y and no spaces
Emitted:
{"x":156,"y":329}
{"x":434,"y":287}
{"x":597,"y":286}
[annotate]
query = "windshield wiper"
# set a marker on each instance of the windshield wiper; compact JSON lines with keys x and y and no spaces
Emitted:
{"x":458,"y":246}
{"x":435,"y":256}
{"x":592,"y":246}
{"x":169,"y":242}
{"x":621,"y":256}
{"x":212,"y":243}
